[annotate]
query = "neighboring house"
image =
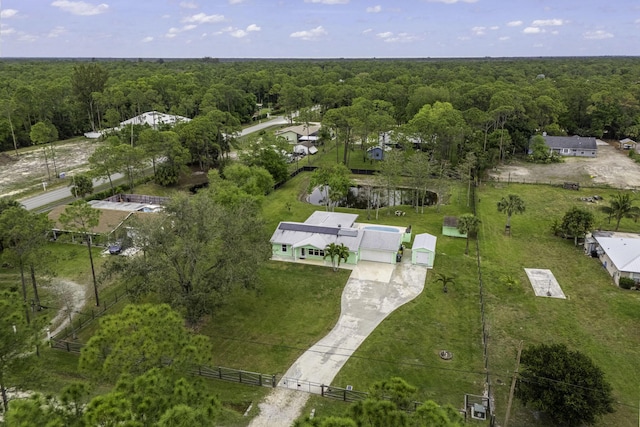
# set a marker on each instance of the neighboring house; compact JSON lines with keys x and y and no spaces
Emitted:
{"x":153,"y":119}
{"x":294,"y":241}
{"x":113,"y":216}
{"x":305,"y":148}
{"x":375,"y":153}
{"x":577,"y":146}
{"x":450,"y":227}
{"x":295,"y":134}
{"x":423,"y":251}
{"x":627,"y":144}
{"x":619,"y":253}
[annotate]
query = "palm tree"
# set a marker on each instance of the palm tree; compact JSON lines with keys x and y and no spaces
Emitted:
{"x":621,"y":206}
{"x":445,"y":280}
{"x":509,"y":280}
{"x":341,"y":252}
{"x":512,"y":204}
{"x":468,"y":224}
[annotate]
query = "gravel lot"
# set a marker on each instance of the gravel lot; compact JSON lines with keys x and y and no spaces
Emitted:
{"x":612,"y":168}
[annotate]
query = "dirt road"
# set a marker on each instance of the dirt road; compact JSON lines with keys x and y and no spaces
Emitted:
{"x":612,"y":168}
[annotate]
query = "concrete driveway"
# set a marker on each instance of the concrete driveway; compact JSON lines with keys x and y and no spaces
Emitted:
{"x":373,"y":291}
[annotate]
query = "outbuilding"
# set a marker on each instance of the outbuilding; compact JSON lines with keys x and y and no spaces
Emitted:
{"x":423,"y":251}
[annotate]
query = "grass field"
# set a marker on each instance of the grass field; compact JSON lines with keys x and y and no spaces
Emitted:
{"x":296,"y":305}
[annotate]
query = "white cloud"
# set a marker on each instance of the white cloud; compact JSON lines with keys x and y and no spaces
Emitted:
{"x":367,"y":31}
{"x":312,"y":34}
{"x":597,"y":35}
{"x":236,"y":1}
{"x":56,"y":32}
{"x":451,"y":1}
{"x":514,"y":23}
{"x":637,"y":21}
{"x":533,"y":30}
{"x":253,"y":27}
{"x":328,"y":1}
{"x":389,"y":37}
{"x":238,"y":34}
{"x":147,"y":39}
{"x":547,"y":23}
{"x":479,"y":31}
{"x":188,"y":5}
{"x":5,"y":30}
{"x":30,"y":38}
{"x":8,"y":13}
{"x":374,"y":9}
{"x":494,"y":28}
{"x":174,"y":31}
{"x":504,"y":38}
{"x":202,"y":18}
{"x":80,"y":7}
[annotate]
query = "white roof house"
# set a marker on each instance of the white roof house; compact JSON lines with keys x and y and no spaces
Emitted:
{"x":293,"y":134}
{"x":154,"y":119}
{"x":305,"y":147}
{"x":293,"y":241}
{"x":618,"y":252}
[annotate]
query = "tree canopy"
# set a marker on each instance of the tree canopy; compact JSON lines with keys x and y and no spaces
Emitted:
{"x":563,"y":383}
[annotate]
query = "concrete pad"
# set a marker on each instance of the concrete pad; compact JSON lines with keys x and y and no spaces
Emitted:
{"x":544,"y":283}
{"x":375,"y":271}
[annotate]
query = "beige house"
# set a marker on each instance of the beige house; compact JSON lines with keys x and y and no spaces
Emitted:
{"x":299,"y":133}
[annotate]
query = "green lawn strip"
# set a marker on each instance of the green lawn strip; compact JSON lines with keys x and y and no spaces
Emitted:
{"x":266,"y":331}
{"x":596,"y":319}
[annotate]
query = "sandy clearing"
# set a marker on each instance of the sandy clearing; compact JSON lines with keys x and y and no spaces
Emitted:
{"x":612,"y":167}
{"x":72,"y":297}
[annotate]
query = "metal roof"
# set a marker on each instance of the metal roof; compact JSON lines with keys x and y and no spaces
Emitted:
{"x":623,"y":249}
{"x":425,"y":241}
{"x":577,"y":142}
{"x":332,"y":219}
{"x":381,"y":240}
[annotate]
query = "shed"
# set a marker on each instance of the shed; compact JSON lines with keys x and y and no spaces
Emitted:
{"x":305,"y":148}
{"x":627,"y":144}
{"x":423,"y":251}
{"x":375,"y":153}
{"x":450,"y":227}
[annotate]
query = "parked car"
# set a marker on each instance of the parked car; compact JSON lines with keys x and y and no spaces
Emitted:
{"x":115,"y":248}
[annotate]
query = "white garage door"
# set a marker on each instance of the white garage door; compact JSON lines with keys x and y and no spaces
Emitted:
{"x":422,"y":258}
{"x":378,"y":256}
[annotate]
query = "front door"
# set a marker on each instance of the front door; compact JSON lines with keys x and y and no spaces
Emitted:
{"x":302,"y":253}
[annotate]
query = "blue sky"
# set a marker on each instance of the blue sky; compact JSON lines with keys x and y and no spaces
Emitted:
{"x":318,"y":28}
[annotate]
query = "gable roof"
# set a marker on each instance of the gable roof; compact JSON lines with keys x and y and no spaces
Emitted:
{"x":623,"y":249}
{"x":300,"y":234}
{"x":424,"y":241}
{"x":577,"y":142}
{"x":380,"y":240}
{"x":301,"y":130}
{"x":450,"y":221}
{"x":109,"y":220}
{"x":332,"y":219}
{"x":627,"y":141}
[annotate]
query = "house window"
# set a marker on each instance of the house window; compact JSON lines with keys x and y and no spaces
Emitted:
{"x":284,"y":248}
{"x":565,"y":151}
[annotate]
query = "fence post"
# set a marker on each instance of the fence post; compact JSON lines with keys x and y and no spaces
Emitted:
{"x":273,"y":381}
{"x":322,"y":390}
{"x":240,"y":377}
{"x":219,"y":372}
{"x":260,"y":379}
{"x":67,"y":345}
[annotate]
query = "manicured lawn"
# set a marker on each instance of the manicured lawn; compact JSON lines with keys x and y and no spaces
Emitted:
{"x":598,"y":318}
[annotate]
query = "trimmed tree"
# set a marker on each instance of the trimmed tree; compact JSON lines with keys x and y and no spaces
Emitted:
{"x":512,"y":204}
{"x":468,"y":224}
{"x":576,"y":222}
{"x":81,"y":185}
{"x":565,"y":384}
{"x":621,"y":206}
{"x":335,"y":251}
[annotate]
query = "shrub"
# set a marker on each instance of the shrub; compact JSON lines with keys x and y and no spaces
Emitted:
{"x":626,"y":282}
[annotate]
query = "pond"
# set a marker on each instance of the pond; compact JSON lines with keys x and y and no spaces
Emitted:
{"x":360,"y":197}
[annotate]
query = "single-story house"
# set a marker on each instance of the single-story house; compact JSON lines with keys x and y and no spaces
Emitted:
{"x":295,"y":134}
{"x":627,"y":144}
{"x":294,"y":241}
{"x":423,"y":251}
{"x":450,"y":227}
{"x":305,"y":148}
{"x":578,"y":146}
{"x":112,"y":216}
{"x":619,"y":253}
{"x":154,"y":119}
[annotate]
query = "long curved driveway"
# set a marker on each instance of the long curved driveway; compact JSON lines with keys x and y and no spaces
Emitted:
{"x":373,"y":291}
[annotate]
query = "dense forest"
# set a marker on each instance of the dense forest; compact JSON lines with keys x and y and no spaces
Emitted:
{"x":488,"y":106}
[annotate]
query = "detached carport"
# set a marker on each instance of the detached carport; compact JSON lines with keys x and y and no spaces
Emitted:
{"x":423,"y":251}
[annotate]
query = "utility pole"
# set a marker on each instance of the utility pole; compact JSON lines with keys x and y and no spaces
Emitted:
{"x":513,"y":386}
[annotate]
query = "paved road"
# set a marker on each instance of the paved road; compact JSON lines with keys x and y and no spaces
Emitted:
{"x":61,"y":195}
{"x":52,"y":197}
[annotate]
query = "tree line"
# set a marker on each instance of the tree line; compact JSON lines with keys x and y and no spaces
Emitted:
{"x":489,"y":106}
